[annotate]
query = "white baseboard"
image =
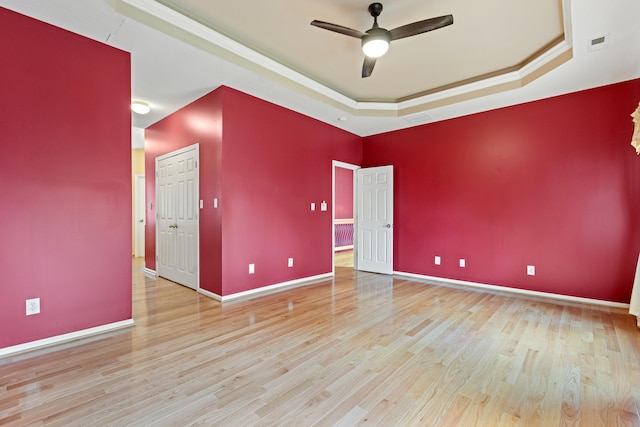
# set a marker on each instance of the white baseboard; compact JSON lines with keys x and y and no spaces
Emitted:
{"x":209,"y":294}
{"x":60,"y":339}
{"x":150,"y":273}
{"x":495,"y":288}
{"x":270,"y":289}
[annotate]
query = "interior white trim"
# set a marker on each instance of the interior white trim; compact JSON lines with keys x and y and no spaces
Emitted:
{"x":338,"y":164}
{"x":269,"y":289}
{"x":558,"y":297}
{"x":59,"y":339}
{"x":344,"y":221}
{"x":139,"y":192}
{"x":210,"y":294}
{"x":150,"y":273}
{"x":170,"y":17}
{"x":512,"y":77}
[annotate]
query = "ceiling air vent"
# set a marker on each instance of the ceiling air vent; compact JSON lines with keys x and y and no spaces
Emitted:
{"x":598,"y":43}
{"x":418,"y":118}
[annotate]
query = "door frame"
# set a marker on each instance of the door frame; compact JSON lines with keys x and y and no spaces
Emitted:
{"x":139,"y":193}
{"x":195,"y":147}
{"x":353,"y":168}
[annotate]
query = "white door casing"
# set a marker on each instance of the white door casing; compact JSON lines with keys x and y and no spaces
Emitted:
{"x":139,"y":216}
{"x":177,"y":230}
{"x":343,"y":165}
{"x":374,"y":219}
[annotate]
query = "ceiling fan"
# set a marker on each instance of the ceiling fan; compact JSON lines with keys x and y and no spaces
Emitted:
{"x":375,"y":41}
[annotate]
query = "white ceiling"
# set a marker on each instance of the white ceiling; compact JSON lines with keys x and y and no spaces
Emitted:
{"x":177,"y":62}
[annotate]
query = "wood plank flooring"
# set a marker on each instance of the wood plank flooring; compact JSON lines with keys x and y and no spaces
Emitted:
{"x":363,"y":349}
{"x":344,"y":258}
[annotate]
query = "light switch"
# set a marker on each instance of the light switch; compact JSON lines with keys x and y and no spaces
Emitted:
{"x":313,"y":206}
{"x":531,"y":270}
{"x":252,"y":268}
{"x":201,"y":204}
{"x":215,"y":203}
{"x":437,"y":260}
{"x":323,"y":206}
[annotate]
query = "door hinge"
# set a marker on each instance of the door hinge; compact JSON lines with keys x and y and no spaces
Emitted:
{"x":196,"y":164}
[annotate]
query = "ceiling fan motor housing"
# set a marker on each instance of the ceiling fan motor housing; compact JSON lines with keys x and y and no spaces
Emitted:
{"x":375,"y":9}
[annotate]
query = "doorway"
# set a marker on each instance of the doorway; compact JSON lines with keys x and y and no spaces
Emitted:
{"x":343,"y":214}
{"x":371,"y":208}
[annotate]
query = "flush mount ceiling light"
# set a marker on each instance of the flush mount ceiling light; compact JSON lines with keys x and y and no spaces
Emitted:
{"x":140,"y":107}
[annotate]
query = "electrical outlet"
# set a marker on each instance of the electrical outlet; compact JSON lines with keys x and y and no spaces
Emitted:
{"x":33,"y":306}
{"x":290,"y":262}
{"x":436,"y":260}
{"x":463,"y":263}
{"x":252,"y":268}
{"x":531,"y":270}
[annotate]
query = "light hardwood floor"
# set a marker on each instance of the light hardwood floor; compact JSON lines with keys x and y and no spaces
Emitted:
{"x":363,"y":349}
{"x":343,"y":259}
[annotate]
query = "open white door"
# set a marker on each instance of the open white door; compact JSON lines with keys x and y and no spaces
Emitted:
{"x":374,"y":219}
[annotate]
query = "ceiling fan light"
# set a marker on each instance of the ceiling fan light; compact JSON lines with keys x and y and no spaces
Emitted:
{"x":140,"y":107}
{"x":375,"y":48}
{"x":376,"y":42}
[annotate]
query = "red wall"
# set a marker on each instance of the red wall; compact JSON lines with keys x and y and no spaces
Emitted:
{"x":66,"y":181}
{"x":276,"y":162}
{"x":344,"y":193}
{"x":199,"y":122}
{"x":552,"y":183}
{"x":265,"y":164}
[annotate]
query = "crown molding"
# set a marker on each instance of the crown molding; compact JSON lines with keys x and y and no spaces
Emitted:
{"x":172,"y":22}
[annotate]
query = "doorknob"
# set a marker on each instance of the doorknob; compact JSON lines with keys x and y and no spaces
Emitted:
{"x":388,"y":226}
{"x":142,"y":220}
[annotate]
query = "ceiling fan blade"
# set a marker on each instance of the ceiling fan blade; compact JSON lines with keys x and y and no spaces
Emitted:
{"x":421,"y":27}
{"x":367,"y":67}
{"x":338,"y":28}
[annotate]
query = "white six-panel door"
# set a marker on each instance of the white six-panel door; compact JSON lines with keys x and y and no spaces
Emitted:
{"x":374,"y":222}
{"x":177,"y":199}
